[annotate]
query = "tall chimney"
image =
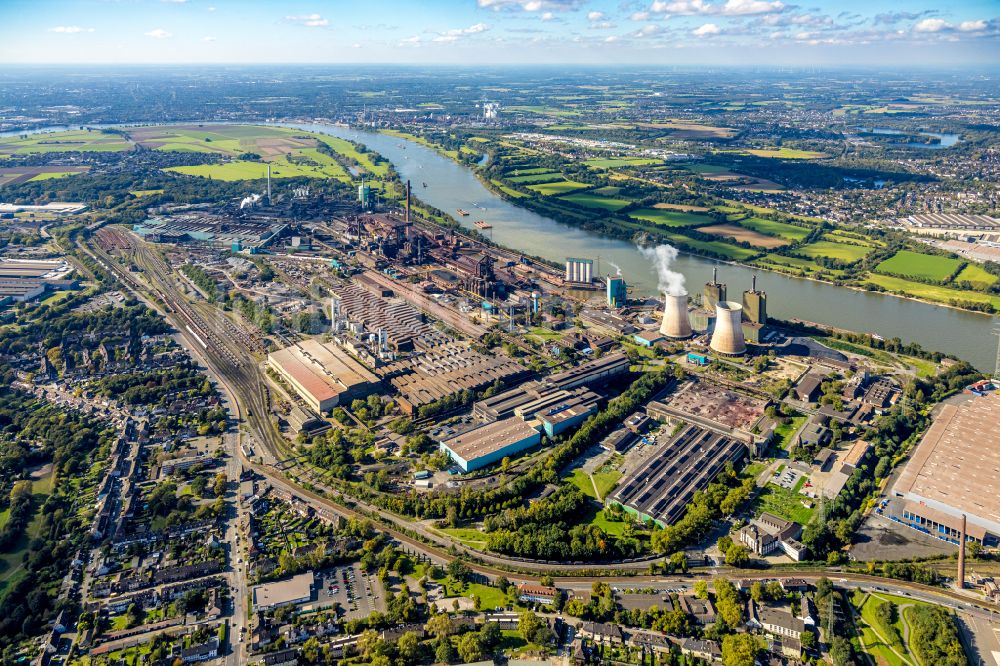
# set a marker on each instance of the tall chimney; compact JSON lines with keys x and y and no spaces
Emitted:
{"x":268,"y":184}
{"x":753,"y":282}
{"x":961,"y":557}
{"x":407,"y":201}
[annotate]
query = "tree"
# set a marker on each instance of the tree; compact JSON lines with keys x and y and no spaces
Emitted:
{"x":458,"y":570}
{"x":775,"y":591}
{"x":739,"y":650}
{"x":701,"y":589}
{"x":490,"y":635}
{"x":842,"y":652}
{"x":533,"y":628}
{"x":409,"y":647}
{"x":440,"y":626}
{"x":808,"y":639}
{"x":737,"y":555}
{"x":757,"y":591}
{"x":220,"y":484}
{"x":547,"y":581}
{"x":470,"y":648}
{"x":310,"y":650}
{"x":367,"y":642}
{"x":445,"y":653}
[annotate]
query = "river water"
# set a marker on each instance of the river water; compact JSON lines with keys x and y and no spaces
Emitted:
{"x":451,"y":186}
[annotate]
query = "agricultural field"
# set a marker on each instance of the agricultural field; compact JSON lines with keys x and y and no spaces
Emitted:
{"x":18,"y":175}
{"x":557,"y":188}
{"x":771,"y":227}
{"x":514,"y":194}
{"x":669,"y":218}
{"x":716,"y":247}
{"x":536,"y":178}
{"x":931,"y":292}
{"x":532,"y":171}
{"x":740,"y":234}
{"x":63,"y":142}
{"x":613,"y":162}
{"x":682,"y":207}
{"x":976,"y":276}
{"x":786,"y":153}
{"x":687,"y":130}
{"x":591,"y":200}
{"x":833,"y":250}
{"x":915,"y":264}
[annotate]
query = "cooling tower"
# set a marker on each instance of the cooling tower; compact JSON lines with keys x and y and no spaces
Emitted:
{"x":675,"y":316}
{"x":728,"y":335}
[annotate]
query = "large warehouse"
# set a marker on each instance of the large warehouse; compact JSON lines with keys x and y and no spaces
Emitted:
{"x":662,"y":487}
{"x":322,"y":374}
{"x":955,"y":470}
{"x":488,"y":444}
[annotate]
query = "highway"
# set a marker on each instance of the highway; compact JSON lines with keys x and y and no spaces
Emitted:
{"x":203,"y":331}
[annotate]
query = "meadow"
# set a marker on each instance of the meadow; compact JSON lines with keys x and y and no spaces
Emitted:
{"x":60,"y":142}
{"x":915,"y":264}
{"x":833,"y":250}
{"x":591,"y":200}
{"x":931,"y":292}
{"x":669,"y":218}
{"x":557,"y":188}
{"x":976,"y":276}
{"x":774,"y":228}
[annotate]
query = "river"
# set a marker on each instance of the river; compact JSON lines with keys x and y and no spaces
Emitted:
{"x":451,"y":186}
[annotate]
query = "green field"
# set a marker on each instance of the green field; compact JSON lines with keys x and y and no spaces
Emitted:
{"x":581,"y":480}
{"x":976,"y":276}
{"x":670,"y":218}
{"x":786,"y":153}
{"x":347,"y":149}
{"x":914,"y":264}
{"x":145,"y":193}
{"x":606,"y":480}
{"x":53,"y":174}
{"x":612,"y":162}
{"x":533,"y":171}
{"x":931,"y":292}
{"x":591,"y":200}
{"x":559,"y":187}
{"x":716,"y":247}
{"x":59,"y":142}
{"x":514,"y":194}
{"x":612,"y":527}
{"x":773,"y":228}
{"x":470,"y":536}
{"x":536,"y":178}
{"x":833,"y":250}
{"x":784,"y":432}
{"x":783,"y":503}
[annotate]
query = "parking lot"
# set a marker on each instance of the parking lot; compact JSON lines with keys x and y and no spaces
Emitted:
{"x":355,"y":592}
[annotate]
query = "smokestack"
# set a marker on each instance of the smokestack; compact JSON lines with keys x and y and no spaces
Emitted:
{"x":728,"y":335}
{"x":960,"y":581}
{"x":407,"y":201}
{"x":676,"y":323}
{"x":268,"y":184}
{"x":753,"y":282}
{"x":715,"y":275}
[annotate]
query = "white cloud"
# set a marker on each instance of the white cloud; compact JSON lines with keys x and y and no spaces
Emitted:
{"x":210,"y":9}
{"x":309,"y":20}
{"x":639,"y":16}
{"x":611,"y":39}
{"x":972,"y":26}
{"x":748,"y":7}
{"x":208,"y":39}
{"x":410,"y":41}
{"x":706,"y":30}
{"x":356,"y":45}
{"x":680,"y":7}
{"x":70,"y":29}
{"x":595,"y":16}
{"x":548,"y":16}
{"x":731,"y":8}
{"x":454,"y":34}
{"x":529,"y":5}
{"x":159,"y":33}
{"x":175,"y":2}
{"x":602,"y":25}
{"x":647,"y":30}
{"x":931,"y":25}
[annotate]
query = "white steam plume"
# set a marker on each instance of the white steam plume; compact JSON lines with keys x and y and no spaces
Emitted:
{"x":616,"y":267}
{"x":663,"y":257}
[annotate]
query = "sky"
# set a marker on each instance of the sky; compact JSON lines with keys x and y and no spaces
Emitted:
{"x":875,"y":33}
